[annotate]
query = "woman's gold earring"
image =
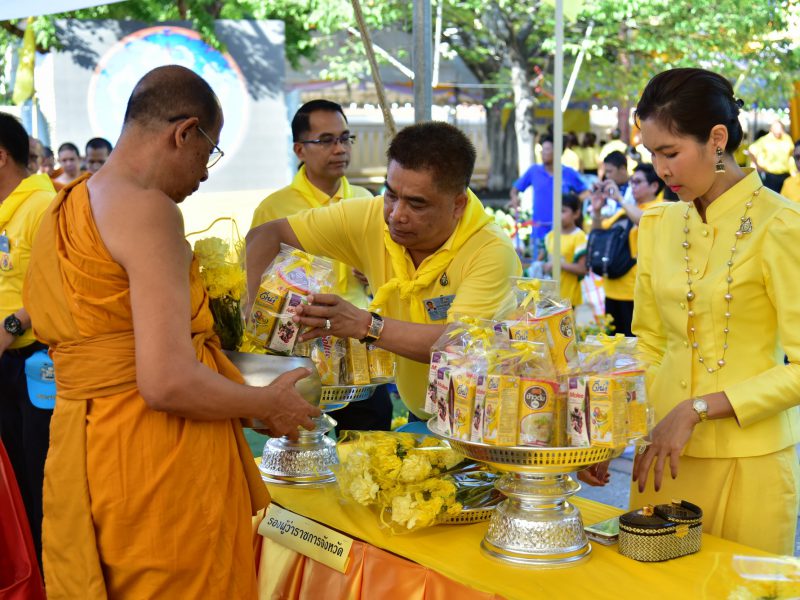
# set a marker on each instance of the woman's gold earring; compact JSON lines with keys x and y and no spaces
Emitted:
{"x":720,"y":166}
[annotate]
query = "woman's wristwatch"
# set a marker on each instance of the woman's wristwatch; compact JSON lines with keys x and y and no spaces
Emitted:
{"x":700,"y":406}
{"x":374,"y":331}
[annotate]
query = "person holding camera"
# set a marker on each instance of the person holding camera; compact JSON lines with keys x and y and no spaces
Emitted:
{"x":644,"y":186}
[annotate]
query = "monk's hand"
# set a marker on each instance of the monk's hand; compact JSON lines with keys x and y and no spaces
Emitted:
{"x":328,"y":314}
{"x":596,"y":475}
{"x":667,"y":441}
{"x":287,"y":409}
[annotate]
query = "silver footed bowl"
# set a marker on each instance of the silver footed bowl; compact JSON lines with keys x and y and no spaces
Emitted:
{"x":260,"y":370}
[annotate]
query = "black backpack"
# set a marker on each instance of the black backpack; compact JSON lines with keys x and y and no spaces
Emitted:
{"x":609,"y":251}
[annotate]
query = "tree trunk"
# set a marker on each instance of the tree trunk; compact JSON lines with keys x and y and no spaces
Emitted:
{"x":523,"y":113}
{"x":502,"y":146}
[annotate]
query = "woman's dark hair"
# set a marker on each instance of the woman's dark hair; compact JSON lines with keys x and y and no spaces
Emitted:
{"x":691,"y":102}
{"x":589,"y":139}
{"x":573,"y":202}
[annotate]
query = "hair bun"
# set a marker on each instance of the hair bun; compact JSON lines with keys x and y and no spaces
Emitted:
{"x":739,"y":102}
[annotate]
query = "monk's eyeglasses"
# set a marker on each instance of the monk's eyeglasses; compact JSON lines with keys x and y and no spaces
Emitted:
{"x":216,"y":152}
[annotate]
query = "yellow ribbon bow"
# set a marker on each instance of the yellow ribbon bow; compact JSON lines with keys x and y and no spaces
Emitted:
{"x":533,"y":287}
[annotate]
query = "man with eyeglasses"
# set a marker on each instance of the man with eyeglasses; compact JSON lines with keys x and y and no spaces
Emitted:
{"x":791,"y":187}
{"x":322,"y":144}
{"x":152,"y":489}
{"x":427,"y":247}
{"x":24,"y":198}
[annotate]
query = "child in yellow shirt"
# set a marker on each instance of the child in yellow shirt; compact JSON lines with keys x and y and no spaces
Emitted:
{"x":573,"y":249}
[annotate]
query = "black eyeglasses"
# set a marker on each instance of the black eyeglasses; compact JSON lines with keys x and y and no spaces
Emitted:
{"x":326,"y":141}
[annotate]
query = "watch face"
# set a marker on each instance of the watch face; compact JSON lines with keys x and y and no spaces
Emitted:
{"x":13,"y":325}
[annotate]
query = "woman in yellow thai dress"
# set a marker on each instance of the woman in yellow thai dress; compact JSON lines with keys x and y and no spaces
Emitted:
{"x":715,"y":311}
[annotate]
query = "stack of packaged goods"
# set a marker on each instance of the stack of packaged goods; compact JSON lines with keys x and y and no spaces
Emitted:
{"x":346,"y":361}
{"x":286,"y":284}
{"x":288,"y":281}
{"x":519,"y":380}
{"x":607,"y":403}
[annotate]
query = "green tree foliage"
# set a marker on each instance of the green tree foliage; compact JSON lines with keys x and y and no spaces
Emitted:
{"x":750,"y":42}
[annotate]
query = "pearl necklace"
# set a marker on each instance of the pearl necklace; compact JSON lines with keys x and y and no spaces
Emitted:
{"x":745,"y":227}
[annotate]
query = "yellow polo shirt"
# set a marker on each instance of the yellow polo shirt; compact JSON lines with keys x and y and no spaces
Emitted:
{"x":291,"y":199}
{"x":609,"y":147}
{"x":35,"y":193}
{"x":571,"y":159}
{"x":573,"y":246}
{"x":774,"y":155}
{"x":476,"y":282}
{"x":791,"y":188}
{"x":622,"y":288}
{"x":763,"y":391}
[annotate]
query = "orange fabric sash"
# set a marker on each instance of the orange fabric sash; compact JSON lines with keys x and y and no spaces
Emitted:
{"x":79,"y":301}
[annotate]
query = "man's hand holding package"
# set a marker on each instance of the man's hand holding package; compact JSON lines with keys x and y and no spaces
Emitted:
{"x":328,"y":314}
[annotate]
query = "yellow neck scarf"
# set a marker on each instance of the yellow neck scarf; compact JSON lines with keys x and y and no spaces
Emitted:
{"x":408,"y":285}
{"x":26,"y":187}
{"x":315,"y":196}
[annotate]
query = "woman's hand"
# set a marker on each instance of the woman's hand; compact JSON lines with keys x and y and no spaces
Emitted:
{"x":667,"y":441}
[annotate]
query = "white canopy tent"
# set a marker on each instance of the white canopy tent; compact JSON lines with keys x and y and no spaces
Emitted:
{"x":13,"y":9}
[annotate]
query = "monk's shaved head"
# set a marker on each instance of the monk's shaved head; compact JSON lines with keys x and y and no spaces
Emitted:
{"x":170,"y":92}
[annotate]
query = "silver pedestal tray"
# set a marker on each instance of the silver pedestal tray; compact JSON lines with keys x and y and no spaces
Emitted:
{"x":307,"y":462}
{"x":535,"y":525}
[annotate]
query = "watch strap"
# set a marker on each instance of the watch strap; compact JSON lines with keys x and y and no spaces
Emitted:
{"x":13,"y":325}
{"x":374,"y":331}
{"x":700,"y":406}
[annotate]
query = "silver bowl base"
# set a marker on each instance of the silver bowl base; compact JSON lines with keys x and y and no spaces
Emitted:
{"x":304,"y":463}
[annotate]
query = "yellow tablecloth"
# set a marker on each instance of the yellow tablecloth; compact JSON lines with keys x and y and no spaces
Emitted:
{"x":454,"y":552}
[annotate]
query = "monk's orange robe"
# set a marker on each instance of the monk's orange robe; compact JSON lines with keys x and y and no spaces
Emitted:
{"x":137,"y":503}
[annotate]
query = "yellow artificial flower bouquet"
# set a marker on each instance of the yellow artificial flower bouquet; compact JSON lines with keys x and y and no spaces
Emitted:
{"x":414,"y":481}
{"x":225,"y":281}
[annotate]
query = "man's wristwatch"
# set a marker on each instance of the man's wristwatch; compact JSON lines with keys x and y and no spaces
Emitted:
{"x":700,"y":406}
{"x":13,"y":325}
{"x":374,"y":331}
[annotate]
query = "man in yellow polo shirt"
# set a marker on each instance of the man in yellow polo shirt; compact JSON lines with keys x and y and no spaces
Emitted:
{"x":772,"y":154}
{"x":322,"y":144}
{"x":23,"y":427}
{"x":427,"y":247}
{"x":791,"y":187}
{"x":645,"y":188}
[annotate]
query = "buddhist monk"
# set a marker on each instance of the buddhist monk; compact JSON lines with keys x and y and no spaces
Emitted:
{"x":149,"y":483}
